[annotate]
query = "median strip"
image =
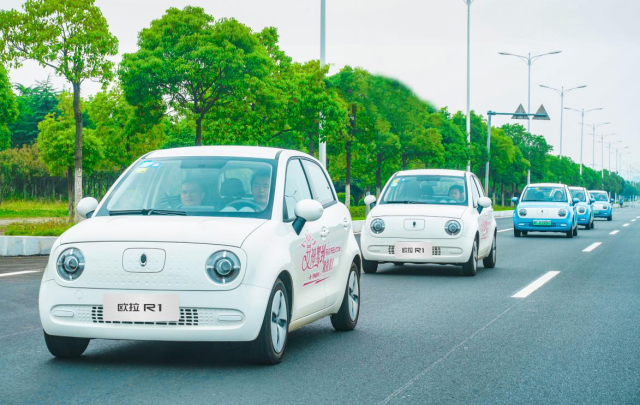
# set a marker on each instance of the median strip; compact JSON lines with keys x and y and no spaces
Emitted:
{"x":525,"y":292}
{"x":614,"y":232}
{"x":18,"y":273}
{"x":590,"y":248}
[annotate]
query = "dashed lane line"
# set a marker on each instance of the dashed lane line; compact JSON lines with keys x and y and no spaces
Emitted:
{"x":593,"y":246}
{"x":625,"y":225}
{"x":525,"y":292}
{"x":614,"y":232}
{"x":505,"y":230}
{"x":18,"y":273}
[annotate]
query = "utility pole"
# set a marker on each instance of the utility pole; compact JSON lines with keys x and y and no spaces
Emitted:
{"x":322,"y":152}
{"x":468,"y":3}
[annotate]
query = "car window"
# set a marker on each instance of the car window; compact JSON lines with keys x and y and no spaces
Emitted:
{"x":600,"y":196}
{"x":579,"y":194}
{"x":319,"y":183}
{"x":474,"y":192}
{"x":545,"y":194}
{"x":296,"y":188}
{"x":426,"y":189}
{"x":479,"y":185}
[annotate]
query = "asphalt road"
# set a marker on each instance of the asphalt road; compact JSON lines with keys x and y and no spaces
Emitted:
{"x":426,"y":335}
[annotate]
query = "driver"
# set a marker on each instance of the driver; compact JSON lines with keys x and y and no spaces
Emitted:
{"x":558,"y":196}
{"x":260,"y":187}
{"x":456,"y":193}
{"x":191,"y":193}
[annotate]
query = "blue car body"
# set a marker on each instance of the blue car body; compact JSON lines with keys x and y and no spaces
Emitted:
{"x":544,"y":216}
{"x":584,"y":209}
{"x":602,"y":208}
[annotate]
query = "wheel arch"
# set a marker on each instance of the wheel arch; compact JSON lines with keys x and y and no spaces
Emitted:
{"x":286,"y":279}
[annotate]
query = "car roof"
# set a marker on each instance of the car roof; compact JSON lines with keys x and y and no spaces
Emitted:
{"x":576,"y":188}
{"x":436,"y":172}
{"x":597,"y":191}
{"x":231,"y":151}
{"x":545,"y":185}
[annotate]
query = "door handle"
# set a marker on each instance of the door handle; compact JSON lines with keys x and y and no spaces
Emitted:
{"x":345,"y":223}
{"x":324,"y":232}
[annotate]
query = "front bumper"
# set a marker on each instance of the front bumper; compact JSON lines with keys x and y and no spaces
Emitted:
{"x":444,"y":251}
{"x":602,"y":213}
{"x":557,"y":225}
{"x":584,"y":219}
{"x":220,"y":316}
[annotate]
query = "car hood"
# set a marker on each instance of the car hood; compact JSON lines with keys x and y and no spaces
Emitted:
{"x":448,"y":211}
{"x":209,"y":230}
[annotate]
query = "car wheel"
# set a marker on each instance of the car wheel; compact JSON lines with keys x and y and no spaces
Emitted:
{"x":347,"y":316}
{"x":575,"y":230}
{"x":271,"y":343}
{"x":517,"y":233}
{"x":65,"y":347}
{"x":593,"y":223}
{"x":470,"y":268}
{"x":398,"y":264}
{"x":569,"y":234}
{"x":369,"y":266}
{"x":525,"y":233}
{"x":610,"y":217}
{"x":489,"y":262}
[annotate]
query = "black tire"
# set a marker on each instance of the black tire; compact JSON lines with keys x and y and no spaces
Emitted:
{"x":575,"y":230}
{"x":470,"y":268}
{"x":343,"y":319}
{"x":398,"y":264}
{"x":369,"y":266}
{"x":569,"y":234}
{"x":525,"y":233}
{"x":263,"y":349}
{"x":610,"y":217}
{"x":489,"y":262}
{"x":65,"y":347}
{"x":517,"y":233}
{"x":593,"y":223}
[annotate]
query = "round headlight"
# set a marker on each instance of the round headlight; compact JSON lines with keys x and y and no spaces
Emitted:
{"x":223,"y":267}
{"x":377,"y":226}
{"x":606,"y":206}
{"x":522,"y":212}
{"x":582,"y":210}
{"x":70,"y":264}
{"x":452,"y":227}
{"x":562,"y":212}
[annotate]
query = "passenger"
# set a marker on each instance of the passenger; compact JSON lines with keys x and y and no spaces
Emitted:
{"x":558,"y":196}
{"x":456,"y":193}
{"x":260,"y":187}
{"x":191,"y":193}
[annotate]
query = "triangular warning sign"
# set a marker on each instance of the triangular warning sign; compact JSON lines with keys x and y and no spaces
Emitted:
{"x":542,"y":111}
{"x":520,"y":114}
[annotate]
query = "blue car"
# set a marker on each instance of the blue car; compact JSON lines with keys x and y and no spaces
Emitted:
{"x":584,"y":207}
{"x":603,"y":206}
{"x":545,"y":207}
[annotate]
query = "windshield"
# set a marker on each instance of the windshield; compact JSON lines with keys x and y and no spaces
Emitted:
{"x":545,"y":194}
{"x":428,"y":189}
{"x":201,"y":186}
{"x":579,"y":194}
{"x":600,"y":196}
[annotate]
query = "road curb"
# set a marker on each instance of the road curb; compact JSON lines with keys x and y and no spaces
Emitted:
{"x":26,"y":245}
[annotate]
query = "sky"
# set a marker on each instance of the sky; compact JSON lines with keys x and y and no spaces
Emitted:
{"x":423,"y":44}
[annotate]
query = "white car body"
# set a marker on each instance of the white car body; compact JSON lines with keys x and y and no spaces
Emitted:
{"x":177,"y":248}
{"x":426,"y":223}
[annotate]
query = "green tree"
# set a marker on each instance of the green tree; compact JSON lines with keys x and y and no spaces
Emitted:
{"x":56,"y":142}
{"x":191,"y":63}
{"x":34,"y":103}
{"x":70,"y":36}
{"x":8,"y":109}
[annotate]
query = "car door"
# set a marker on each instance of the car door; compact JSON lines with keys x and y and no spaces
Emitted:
{"x":309,"y":295}
{"x":336,"y":222}
{"x":485,"y":219}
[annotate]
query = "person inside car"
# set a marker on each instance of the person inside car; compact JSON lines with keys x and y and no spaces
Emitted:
{"x":558,"y":196}
{"x":191,"y":193}
{"x":456,"y":193}
{"x":260,"y":188}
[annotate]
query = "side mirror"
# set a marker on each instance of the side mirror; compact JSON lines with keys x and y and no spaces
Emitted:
{"x":611,"y":200}
{"x":575,"y":201}
{"x":515,"y":200}
{"x":591,"y":201}
{"x":485,"y":202}
{"x":370,"y":199}
{"x":86,"y":206}
{"x":306,"y":210}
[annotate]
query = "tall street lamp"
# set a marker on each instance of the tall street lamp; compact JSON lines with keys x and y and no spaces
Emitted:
{"x":562,"y":92}
{"x":602,"y":136}
{"x":322,"y":152}
{"x":582,"y":112}
{"x":529,"y":61}
{"x":593,"y":161}
{"x":617,"y":151}
{"x":468,"y":3}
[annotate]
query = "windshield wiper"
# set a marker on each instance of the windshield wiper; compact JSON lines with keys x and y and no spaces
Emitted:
{"x":166,"y":212}
{"x":404,"y":202}
{"x":150,"y":211}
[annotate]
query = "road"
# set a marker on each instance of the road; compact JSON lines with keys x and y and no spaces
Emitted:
{"x":426,"y":335}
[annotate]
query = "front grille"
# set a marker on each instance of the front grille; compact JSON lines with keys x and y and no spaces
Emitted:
{"x":188,"y":317}
{"x":392,"y":250}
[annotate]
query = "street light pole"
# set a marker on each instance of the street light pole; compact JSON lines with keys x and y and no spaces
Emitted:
{"x":468,"y":3}
{"x":582,"y":113}
{"x":322,"y":152}
{"x":617,"y":152}
{"x":593,"y":161}
{"x":562,"y":92}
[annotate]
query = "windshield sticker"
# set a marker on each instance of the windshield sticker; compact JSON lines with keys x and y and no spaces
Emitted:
{"x":319,"y":259}
{"x":145,"y":164}
{"x":394,"y":183}
{"x":156,"y":165}
{"x":141,"y":170}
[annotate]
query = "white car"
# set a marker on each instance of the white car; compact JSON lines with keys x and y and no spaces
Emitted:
{"x":214,"y":243}
{"x":430,"y":216}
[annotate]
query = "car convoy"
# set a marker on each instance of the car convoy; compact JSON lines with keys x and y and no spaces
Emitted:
{"x":228,"y":243}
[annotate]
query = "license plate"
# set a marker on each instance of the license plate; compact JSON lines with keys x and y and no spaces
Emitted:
{"x":141,"y":307}
{"x":596,"y":212}
{"x":413,"y":250}
{"x":541,"y":223}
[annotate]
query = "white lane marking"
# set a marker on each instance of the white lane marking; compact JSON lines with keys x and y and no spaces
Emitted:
{"x":505,"y":230}
{"x":614,"y":232}
{"x":633,"y":220}
{"x":590,"y":248}
{"x":525,"y":292}
{"x":18,"y":272}
{"x":625,"y":225}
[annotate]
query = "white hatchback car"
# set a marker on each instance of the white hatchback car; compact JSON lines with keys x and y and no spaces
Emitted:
{"x":212,"y":243}
{"x":430,"y":216}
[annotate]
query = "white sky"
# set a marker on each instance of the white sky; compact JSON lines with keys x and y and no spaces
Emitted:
{"x":423,"y":44}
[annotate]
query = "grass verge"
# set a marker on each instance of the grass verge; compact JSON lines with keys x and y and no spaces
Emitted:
{"x":33,"y":209}
{"x":45,"y":228}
